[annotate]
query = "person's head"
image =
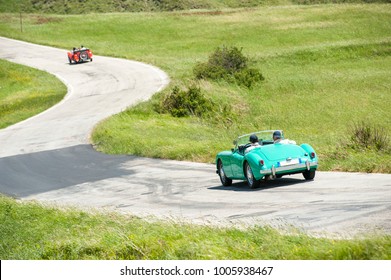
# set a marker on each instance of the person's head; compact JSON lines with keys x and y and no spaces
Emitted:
{"x":253,"y":138}
{"x":276,"y":135}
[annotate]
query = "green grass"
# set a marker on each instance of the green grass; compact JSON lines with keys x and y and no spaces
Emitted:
{"x":325,"y":67}
{"x":25,"y":92}
{"x":31,"y":231}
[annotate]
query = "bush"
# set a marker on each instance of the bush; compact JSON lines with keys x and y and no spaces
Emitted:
{"x":181,"y":103}
{"x":367,"y":136}
{"x":248,"y":77}
{"x":223,"y":62}
{"x":228,"y":64}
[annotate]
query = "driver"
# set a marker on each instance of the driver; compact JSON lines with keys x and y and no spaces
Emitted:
{"x":277,"y":136}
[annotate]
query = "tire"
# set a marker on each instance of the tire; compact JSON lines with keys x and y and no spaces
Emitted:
{"x":83,"y":56}
{"x":70,"y":60}
{"x":223,"y":178}
{"x":309,"y":175}
{"x":251,"y":181}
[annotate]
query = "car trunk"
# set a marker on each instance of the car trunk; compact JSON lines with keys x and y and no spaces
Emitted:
{"x":280,"y":152}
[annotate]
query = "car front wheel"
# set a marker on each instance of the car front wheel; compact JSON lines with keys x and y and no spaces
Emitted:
{"x":251,"y":181}
{"x":223,"y":178}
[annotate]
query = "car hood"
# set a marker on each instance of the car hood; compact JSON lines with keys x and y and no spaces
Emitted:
{"x":276,"y":152}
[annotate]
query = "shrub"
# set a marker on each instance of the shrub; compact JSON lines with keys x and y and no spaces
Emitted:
{"x":228,"y":64}
{"x":248,"y":77}
{"x":181,"y":103}
{"x":367,"y":136}
{"x":230,"y":60}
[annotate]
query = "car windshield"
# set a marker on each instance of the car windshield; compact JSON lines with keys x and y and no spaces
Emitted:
{"x":266,"y":135}
{"x":81,"y":50}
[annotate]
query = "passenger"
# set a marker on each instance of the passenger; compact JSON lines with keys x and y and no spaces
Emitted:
{"x":254,"y":142}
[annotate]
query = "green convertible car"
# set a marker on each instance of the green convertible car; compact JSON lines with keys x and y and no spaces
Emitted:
{"x":265,"y":155}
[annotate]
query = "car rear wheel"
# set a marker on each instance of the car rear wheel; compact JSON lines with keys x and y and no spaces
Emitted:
{"x":251,"y":181}
{"x":223,"y":178}
{"x":309,"y":174}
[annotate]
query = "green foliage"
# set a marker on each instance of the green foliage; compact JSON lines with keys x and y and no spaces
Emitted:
{"x":30,"y":231}
{"x":191,"y":102}
{"x":228,"y":64}
{"x":223,"y":61}
{"x":248,"y":77}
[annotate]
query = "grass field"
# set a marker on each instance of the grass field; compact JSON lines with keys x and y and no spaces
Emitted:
{"x":31,"y":231}
{"x":25,"y":92}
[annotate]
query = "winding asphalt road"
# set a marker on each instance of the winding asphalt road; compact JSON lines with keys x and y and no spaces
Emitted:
{"x":48,"y":158}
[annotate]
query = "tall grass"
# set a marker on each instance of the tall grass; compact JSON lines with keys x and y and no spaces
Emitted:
{"x":32,"y":231}
{"x":25,"y":92}
{"x":321,"y":63}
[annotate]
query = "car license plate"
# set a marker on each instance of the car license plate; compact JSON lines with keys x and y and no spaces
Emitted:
{"x":289,"y":162}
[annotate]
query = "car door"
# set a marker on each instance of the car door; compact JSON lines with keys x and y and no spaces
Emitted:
{"x":237,"y":164}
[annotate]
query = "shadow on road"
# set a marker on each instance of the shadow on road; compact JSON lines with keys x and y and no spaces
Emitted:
{"x":277,"y":183}
{"x":28,"y":174}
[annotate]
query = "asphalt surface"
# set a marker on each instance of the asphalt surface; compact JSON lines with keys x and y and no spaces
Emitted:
{"x":48,"y":158}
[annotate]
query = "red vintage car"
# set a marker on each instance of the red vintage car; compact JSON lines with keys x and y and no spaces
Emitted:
{"x":79,"y":55}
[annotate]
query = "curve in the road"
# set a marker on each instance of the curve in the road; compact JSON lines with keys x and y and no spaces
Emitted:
{"x":49,"y":158}
{"x":95,"y":91}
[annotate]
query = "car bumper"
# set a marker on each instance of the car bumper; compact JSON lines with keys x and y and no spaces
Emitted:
{"x":290,"y":168}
